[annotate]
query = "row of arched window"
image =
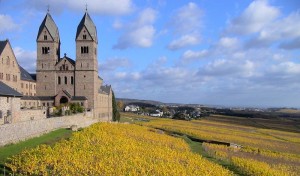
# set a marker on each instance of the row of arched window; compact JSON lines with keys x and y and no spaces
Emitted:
{"x":65,"y":80}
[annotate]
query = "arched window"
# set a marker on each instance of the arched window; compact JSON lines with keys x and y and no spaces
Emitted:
{"x":59,"y":80}
{"x":72,"y":80}
{"x":84,"y":49}
{"x":66,"y":80}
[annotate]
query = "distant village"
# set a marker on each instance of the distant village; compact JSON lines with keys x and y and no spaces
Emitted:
{"x":194,"y":111}
{"x":173,"y":111}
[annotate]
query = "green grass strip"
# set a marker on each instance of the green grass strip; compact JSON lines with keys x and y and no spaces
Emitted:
{"x":49,"y":139}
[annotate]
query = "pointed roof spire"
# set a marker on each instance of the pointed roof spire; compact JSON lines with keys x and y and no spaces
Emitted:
{"x":50,"y":25}
{"x":88,"y":23}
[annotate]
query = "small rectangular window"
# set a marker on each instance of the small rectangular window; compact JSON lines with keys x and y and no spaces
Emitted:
{"x":84,"y":37}
{"x":45,"y":37}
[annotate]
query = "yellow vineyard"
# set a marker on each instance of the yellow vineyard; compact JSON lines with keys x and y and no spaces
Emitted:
{"x":262,"y":151}
{"x":115,"y":149}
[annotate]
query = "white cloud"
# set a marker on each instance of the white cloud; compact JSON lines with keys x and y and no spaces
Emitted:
{"x":186,"y":23}
{"x":7,"y":23}
{"x":27,"y":59}
{"x":117,"y":24}
{"x":106,"y":7}
{"x":114,"y":63}
{"x":184,"y":41}
{"x":188,"y":19}
{"x":136,"y":75}
{"x":228,"y":43}
{"x":257,"y":15}
{"x":190,"y":55}
{"x":120,"y":75}
{"x":285,"y":31}
{"x":225,"y":67}
{"x":139,"y":33}
{"x":286,"y":68}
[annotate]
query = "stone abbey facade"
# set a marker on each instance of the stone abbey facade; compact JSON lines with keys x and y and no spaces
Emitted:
{"x":60,"y":80}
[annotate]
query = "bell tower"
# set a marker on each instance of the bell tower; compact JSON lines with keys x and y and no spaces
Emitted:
{"x":86,"y":82}
{"x":48,"y":54}
{"x":86,"y":44}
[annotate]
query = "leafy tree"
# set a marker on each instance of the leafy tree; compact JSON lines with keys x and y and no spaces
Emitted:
{"x":120,"y":105}
{"x":116,"y":114}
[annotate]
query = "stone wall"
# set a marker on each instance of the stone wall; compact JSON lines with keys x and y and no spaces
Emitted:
{"x":9,"y":109}
{"x":31,"y":114}
{"x":11,"y":133}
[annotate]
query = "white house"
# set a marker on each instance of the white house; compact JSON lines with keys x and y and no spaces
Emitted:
{"x":132,"y":108}
{"x":157,"y":113}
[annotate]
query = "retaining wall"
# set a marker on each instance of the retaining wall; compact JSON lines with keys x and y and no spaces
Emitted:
{"x":11,"y":133}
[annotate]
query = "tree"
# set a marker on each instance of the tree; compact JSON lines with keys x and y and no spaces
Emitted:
{"x":120,"y":105}
{"x":116,"y":114}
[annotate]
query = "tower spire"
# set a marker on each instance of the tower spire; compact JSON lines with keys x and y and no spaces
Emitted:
{"x":86,"y":7}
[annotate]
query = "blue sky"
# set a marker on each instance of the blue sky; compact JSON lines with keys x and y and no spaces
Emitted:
{"x":231,"y":53}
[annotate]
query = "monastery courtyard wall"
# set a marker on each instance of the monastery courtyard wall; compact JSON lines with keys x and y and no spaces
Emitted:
{"x":14,"y":132}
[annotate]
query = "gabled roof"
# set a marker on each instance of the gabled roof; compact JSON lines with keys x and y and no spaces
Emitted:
{"x":25,"y":75}
{"x":49,"y":23}
{"x":5,"y":90}
{"x":2,"y":45}
{"x":87,"y":22}
{"x":67,"y":93}
{"x":105,"y":89}
{"x":68,"y":59}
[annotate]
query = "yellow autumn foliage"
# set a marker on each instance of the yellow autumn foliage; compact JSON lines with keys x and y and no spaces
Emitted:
{"x":114,"y":149}
{"x":254,"y":167}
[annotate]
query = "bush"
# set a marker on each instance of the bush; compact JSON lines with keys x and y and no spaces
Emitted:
{"x":75,"y":108}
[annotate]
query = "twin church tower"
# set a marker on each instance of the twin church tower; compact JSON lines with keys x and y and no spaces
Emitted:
{"x":65,"y":80}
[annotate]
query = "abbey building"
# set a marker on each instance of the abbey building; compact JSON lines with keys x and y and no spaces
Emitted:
{"x":59,"y":80}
